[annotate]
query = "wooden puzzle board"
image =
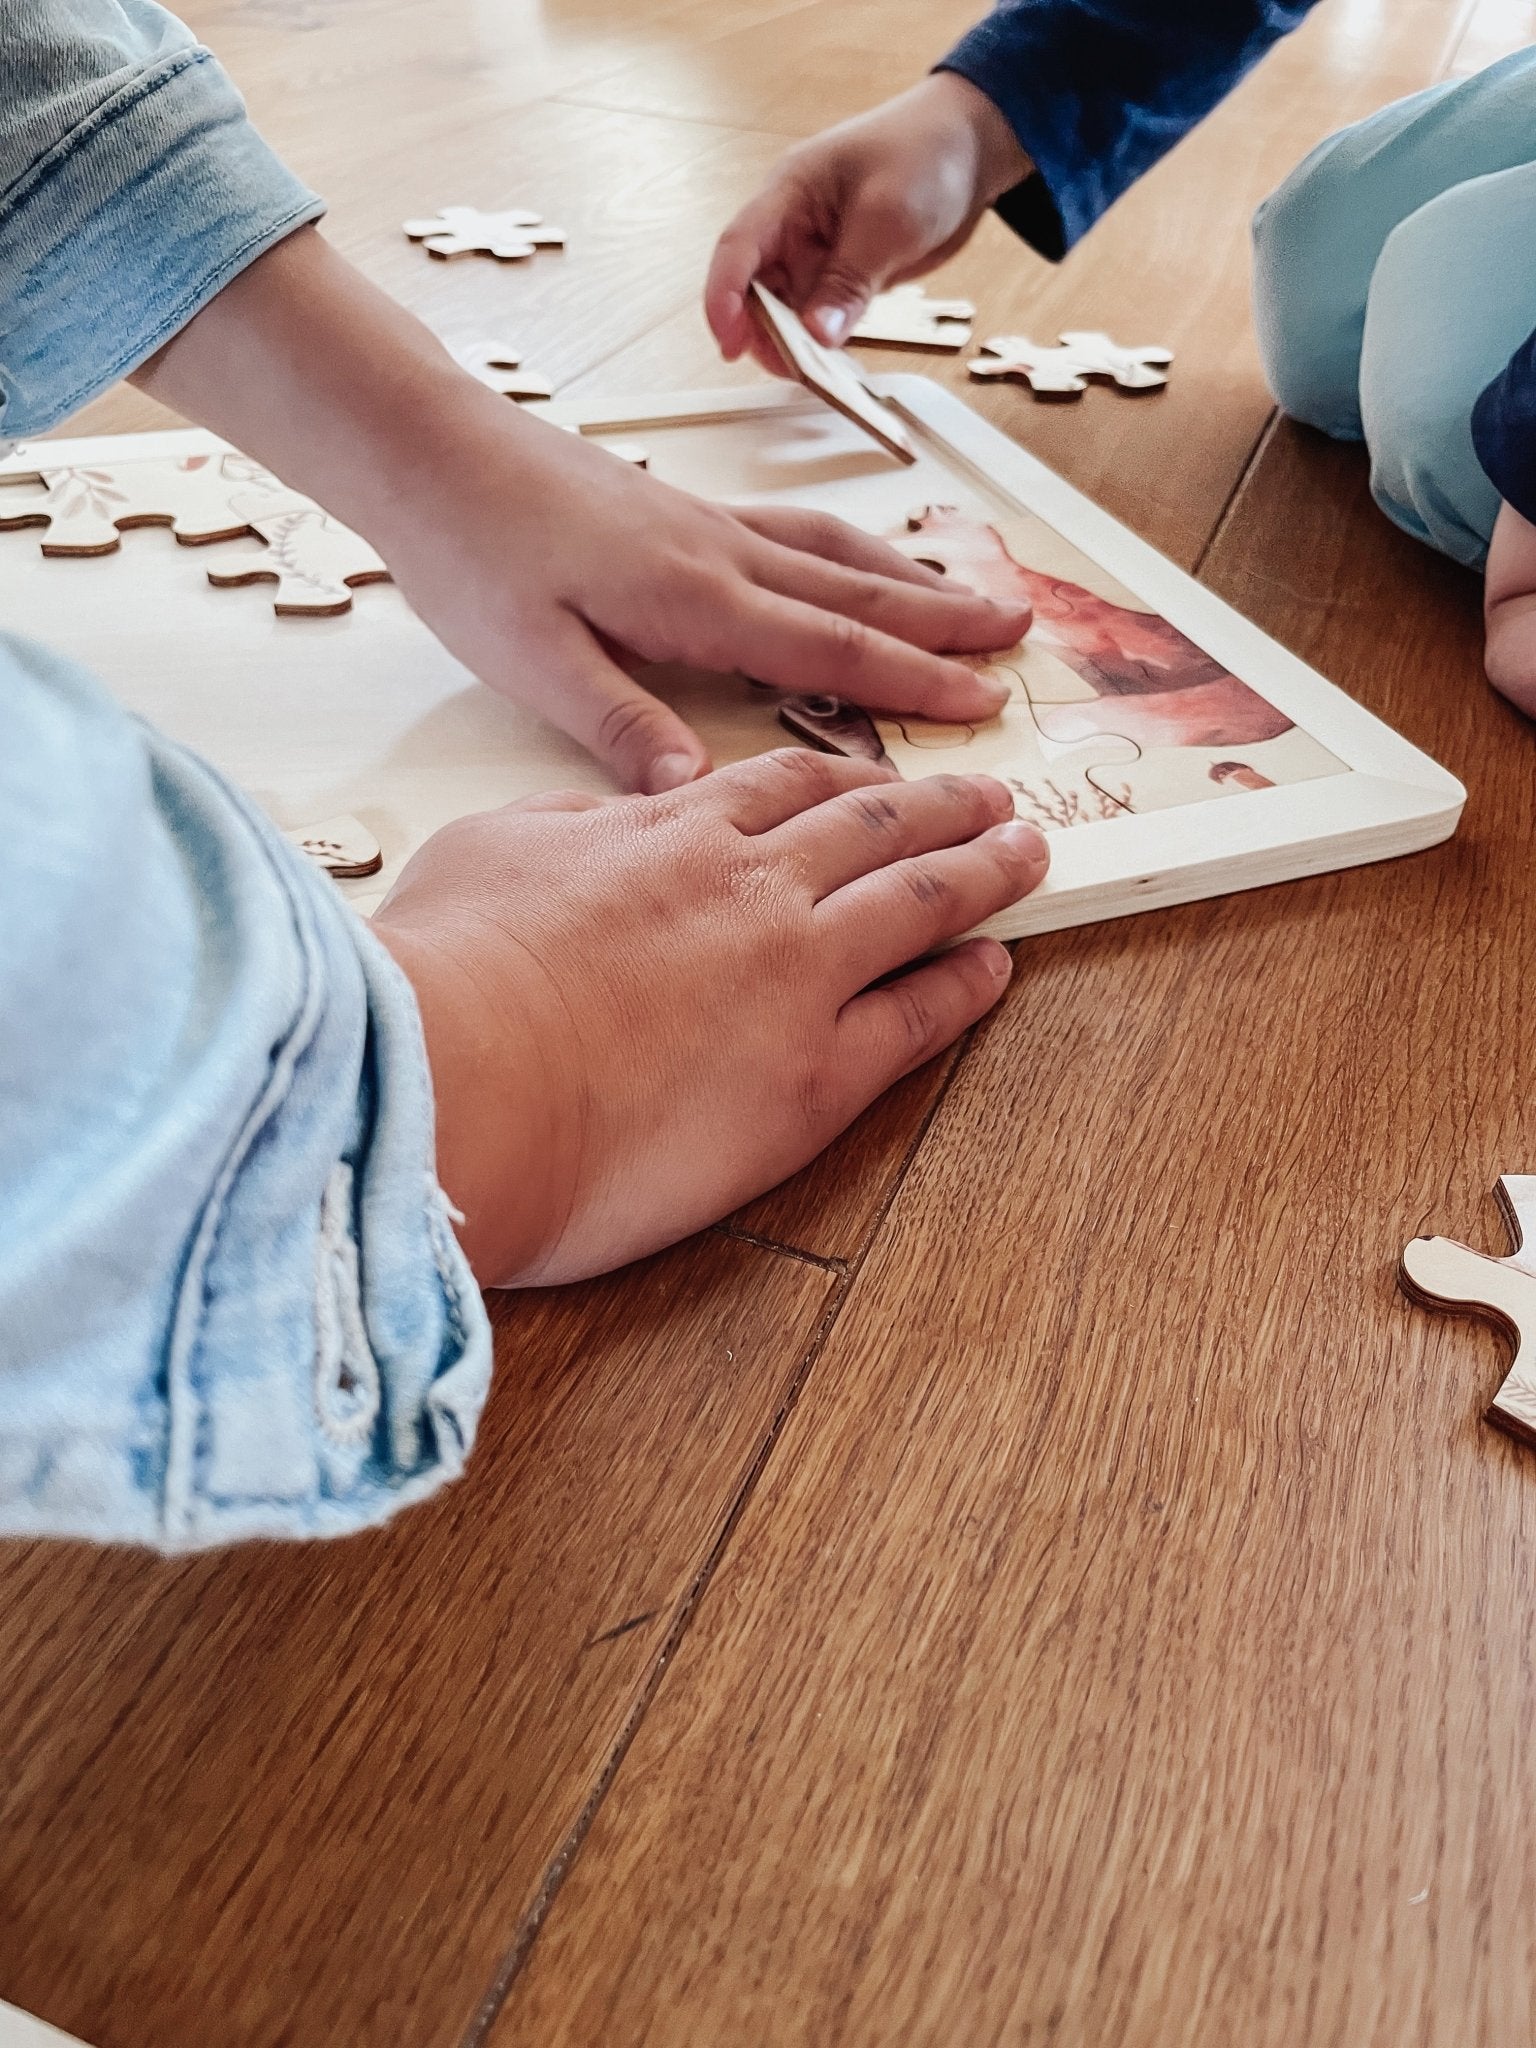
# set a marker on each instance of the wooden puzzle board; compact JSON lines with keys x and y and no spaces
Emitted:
{"x":366,"y":714}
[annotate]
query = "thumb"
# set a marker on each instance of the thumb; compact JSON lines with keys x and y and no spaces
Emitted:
{"x":641,"y":740}
{"x":876,"y":242}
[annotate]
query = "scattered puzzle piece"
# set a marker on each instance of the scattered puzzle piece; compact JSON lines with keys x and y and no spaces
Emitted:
{"x":315,"y":562}
{"x":834,"y":726}
{"x":906,"y":317}
{"x":499,"y":367}
{"x":342,"y":846}
{"x":1062,"y":371}
{"x":830,"y":374}
{"x":465,"y":231}
{"x":1443,"y":1274}
{"x":86,"y":511}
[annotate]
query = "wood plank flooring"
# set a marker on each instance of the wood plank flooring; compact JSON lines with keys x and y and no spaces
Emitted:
{"x":1030,"y":1579}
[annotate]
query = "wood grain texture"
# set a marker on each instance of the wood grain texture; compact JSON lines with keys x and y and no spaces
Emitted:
{"x":1128,"y":1641}
{"x":313,"y":1790}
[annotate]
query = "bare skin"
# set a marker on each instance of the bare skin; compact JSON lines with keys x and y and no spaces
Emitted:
{"x":549,"y":567}
{"x":1509,"y":610}
{"x":879,"y":199}
{"x":640,"y":1013}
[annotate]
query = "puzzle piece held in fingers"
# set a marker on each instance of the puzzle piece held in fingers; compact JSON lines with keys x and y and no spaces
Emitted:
{"x":499,"y":367}
{"x":1443,"y":1274}
{"x":315,"y":562}
{"x":465,"y":231}
{"x":905,"y":317}
{"x":1062,"y":371}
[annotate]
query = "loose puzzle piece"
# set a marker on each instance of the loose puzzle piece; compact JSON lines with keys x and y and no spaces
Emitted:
{"x":87,"y":511}
{"x":830,"y":375}
{"x":905,"y":317}
{"x":1443,"y":1274}
{"x":342,"y":846}
{"x":1063,"y":371}
{"x":465,"y":231}
{"x":315,"y":562}
{"x":834,"y":726}
{"x":500,"y":368}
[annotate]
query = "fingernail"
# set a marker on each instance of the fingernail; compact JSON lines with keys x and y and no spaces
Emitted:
{"x":996,"y":686}
{"x":1024,"y":839}
{"x":995,"y":958}
{"x":832,"y":322}
{"x":671,"y":771}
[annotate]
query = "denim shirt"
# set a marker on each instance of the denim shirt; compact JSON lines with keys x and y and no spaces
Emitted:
{"x":231,"y":1303}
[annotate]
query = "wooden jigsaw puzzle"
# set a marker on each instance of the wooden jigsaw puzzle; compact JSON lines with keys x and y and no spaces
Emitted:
{"x":499,"y":367}
{"x":1063,"y":370}
{"x":203,"y":497}
{"x":509,"y":236}
{"x":1444,"y":1274}
{"x":1173,"y":750}
{"x":905,"y":317}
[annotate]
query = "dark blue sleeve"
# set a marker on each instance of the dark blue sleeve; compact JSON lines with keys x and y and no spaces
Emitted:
{"x":1504,"y":430}
{"x":1098,"y":90}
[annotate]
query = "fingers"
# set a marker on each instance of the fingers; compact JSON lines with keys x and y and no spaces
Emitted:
{"x":820,"y":533}
{"x":897,"y":913}
{"x":888,"y":1031}
{"x":760,"y":794}
{"x":868,"y":828}
{"x":643,"y":742}
{"x":740,"y":254}
{"x":797,"y":645}
{"x":944,"y":617}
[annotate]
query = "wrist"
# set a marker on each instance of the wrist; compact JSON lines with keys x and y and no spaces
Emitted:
{"x":1000,"y":160}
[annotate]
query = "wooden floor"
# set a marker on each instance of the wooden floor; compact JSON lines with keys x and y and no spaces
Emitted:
{"x":1030,"y":1580}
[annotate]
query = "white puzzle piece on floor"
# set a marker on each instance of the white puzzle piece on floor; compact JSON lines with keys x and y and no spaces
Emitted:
{"x":464,"y":231}
{"x":1062,"y":371}
{"x":314,"y":560}
{"x":905,"y":317}
{"x":1444,"y":1274}
{"x":343,"y":846}
{"x":86,"y":509}
{"x":499,"y":367}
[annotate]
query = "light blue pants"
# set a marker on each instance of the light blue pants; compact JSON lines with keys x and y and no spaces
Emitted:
{"x":1394,"y":276}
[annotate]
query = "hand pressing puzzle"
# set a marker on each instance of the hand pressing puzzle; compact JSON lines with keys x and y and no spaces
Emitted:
{"x":465,"y":231}
{"x":1443,"y":1274}
{"x":906,"y":317}
{"x":1063,"y":371}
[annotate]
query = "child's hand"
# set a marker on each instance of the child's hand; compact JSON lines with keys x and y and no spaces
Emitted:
{"x":1509,"y":610}
{"x":552,"y":569}
{"x":884,"y":197}
{"x":640,"y":1013}
{"x":545,"y":564}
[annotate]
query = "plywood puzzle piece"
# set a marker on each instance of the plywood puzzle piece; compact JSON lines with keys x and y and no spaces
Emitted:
{"x":315,"y":562}
{"x":86,"y":511}
{"x":834,"y":726}
{"x":343,"y":846}
{"x":905,"y":317}
{"x":499,"y":367}
{"x":1443,"y":1274}
{"x":464,"y":231}
{"x":1063,"y":371}
{"x":830,"y":374}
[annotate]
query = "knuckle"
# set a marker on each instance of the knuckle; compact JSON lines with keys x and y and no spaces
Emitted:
{"x":927,"y":887}
{"x":875,"y":812}
{"x":916,"y":1026}
{"x":628,"y":719}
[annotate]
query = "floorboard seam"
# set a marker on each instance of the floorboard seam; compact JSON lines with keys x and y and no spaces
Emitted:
{"x":1229,"y":508}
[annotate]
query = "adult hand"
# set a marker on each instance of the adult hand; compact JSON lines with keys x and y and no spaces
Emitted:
{"x":641,"y":1012}
{"x":884,"y":197}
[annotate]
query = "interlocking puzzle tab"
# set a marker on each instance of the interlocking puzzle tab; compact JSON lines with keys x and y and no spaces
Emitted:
{"x":314,"y":560}
{"x":498,"y":366}
{"x":1062,"y":371}
{"x":465,"y":231}
{"x":905,"y":317}
{"x":1441,"y":1273}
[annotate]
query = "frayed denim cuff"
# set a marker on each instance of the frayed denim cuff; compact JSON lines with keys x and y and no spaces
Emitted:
{"x":125,"y":229}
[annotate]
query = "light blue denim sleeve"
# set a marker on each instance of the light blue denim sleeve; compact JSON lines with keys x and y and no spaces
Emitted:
{"x":230,"y":1301}
{"x":132,"y":189}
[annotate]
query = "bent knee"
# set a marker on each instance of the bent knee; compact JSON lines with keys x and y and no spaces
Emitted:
{"x":1310,"y":281}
